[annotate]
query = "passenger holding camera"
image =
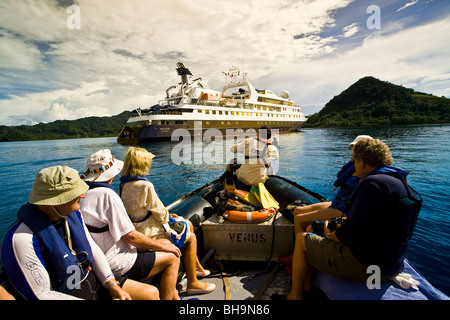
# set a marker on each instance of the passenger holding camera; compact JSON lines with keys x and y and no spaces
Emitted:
{"x":347,"y":180}
{"x":383,"y":214}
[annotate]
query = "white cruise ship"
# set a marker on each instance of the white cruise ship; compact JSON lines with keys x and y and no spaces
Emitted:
{"x":188,"y":105}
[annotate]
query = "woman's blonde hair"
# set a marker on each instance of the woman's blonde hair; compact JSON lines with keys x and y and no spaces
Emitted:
{"x":137,"y":162}
{"x":373,"y":152}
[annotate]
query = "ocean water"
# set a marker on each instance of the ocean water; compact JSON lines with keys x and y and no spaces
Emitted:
{"x":311,"y":158}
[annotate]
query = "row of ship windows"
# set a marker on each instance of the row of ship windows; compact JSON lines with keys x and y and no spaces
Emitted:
{"x":159,"y":122}
{"x":237,"y":113}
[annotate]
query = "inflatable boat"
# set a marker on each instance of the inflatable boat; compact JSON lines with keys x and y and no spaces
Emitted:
{"x":246,"y":245}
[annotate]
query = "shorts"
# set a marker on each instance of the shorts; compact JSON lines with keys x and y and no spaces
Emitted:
{"x":144,"y":264}
{"x":334,"y":258}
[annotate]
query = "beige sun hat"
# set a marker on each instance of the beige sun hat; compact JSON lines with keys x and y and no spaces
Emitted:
{"x":101,"y":167}
{"x":56,"y":185}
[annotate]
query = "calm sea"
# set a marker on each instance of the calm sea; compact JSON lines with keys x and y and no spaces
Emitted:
{"x":311,"y":158}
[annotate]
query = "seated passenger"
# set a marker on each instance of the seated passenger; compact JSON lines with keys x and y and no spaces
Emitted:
{"x":131,"y":255}
{"x":48,"y":254}
{"x":383,"y":214}
{"x":346,"y":181}
{"x":259,"y":153}
{"x":152,"y":219}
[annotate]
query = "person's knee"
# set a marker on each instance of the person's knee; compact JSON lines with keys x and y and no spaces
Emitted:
{"x":151,"y":292}
{"x":173,"y":259}
{"x":192,"y":239}
{"x":302,"y":210}
{"x":166,"y":259}
{"x":191,"y":226}
{"x":300,"y":240}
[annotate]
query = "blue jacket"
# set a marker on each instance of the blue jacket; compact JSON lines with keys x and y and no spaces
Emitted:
{"x":383,"y":214}
{"x":347,"y":184}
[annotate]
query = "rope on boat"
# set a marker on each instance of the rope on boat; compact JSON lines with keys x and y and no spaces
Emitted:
{"x":226,"y":281}
{"x":266,"y":284}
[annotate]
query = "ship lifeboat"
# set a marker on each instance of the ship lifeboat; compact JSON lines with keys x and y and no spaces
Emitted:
{"x":209,"y":98}
{"x":229,"y":102}
{"x":249,"y":217}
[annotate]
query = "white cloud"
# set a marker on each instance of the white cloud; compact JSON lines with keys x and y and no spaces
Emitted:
{"x":409,"y":4}
{"x":130,"y":48}
{"x":16,"y":54}
{"x":90,"y":99}
{"x":400,"y":58}
{"x":350,"y":30}
{"x":124,"y":55}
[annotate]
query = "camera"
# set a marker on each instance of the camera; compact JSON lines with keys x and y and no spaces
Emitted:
{"x":333,"y":224}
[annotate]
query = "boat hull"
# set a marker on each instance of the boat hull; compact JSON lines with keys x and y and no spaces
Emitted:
{"x":148,"y":133}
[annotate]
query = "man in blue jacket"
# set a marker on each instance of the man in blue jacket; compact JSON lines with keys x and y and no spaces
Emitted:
{"x":383,"y":214}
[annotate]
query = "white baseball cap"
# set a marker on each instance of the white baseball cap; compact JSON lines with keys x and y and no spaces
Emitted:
{"x":359,"y":138}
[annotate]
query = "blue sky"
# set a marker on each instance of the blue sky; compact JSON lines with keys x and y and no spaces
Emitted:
{"x":124,"y":53}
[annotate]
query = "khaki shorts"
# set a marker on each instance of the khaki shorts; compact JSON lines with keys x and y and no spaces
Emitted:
{"x":334,"y":258}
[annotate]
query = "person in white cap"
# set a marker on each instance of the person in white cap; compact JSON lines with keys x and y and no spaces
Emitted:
{"x":346,"y":182}
{"x":48,"y":254}
{"x":383,"y":215}
{"x":131,"y":254}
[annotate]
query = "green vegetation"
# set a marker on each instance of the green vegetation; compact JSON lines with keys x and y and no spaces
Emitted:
{"x":91,"y":127}
{"x":372,"y":102}
{"x":367,"y":102}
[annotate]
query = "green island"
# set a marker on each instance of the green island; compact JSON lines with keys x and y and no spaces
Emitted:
{"x":367,"y":102}
{"x":372,"y":102}
{"x":90,"y":127}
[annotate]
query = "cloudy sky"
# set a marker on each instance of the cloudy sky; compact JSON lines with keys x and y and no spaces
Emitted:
{"x":115,"y":55}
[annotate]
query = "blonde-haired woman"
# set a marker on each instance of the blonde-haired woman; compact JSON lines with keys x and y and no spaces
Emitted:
{"x":150,"y":216}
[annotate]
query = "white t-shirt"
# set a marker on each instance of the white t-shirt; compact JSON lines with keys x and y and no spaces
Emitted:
{"x":103,"y":206}
{"x":254,"y":170}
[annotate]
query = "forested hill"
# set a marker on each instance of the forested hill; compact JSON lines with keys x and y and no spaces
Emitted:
{"x":370,"y":102}
{"x":90,"y":127}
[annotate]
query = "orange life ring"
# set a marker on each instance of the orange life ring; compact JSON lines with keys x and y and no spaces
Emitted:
{"x":248,"y":217}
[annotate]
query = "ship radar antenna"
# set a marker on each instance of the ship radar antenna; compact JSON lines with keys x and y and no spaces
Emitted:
{"x":184,"y":73}
{"x":182,"y":70}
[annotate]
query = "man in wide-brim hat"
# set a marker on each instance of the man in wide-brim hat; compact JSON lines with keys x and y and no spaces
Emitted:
{"x":48,"y":253}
